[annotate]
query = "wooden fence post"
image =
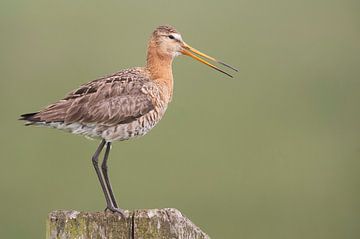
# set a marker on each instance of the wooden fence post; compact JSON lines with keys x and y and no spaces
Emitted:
{"x":167,"y":223}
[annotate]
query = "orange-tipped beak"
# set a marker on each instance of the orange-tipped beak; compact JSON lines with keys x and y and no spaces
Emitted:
{"x":188,"y":50}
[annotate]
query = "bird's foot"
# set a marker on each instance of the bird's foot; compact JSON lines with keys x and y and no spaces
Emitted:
{"x":115,"y":210}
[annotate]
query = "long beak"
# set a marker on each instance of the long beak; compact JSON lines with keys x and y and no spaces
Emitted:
{"x":188,"y":50}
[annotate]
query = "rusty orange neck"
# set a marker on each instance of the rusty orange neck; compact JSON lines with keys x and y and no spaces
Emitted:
{"x":159,"y":66}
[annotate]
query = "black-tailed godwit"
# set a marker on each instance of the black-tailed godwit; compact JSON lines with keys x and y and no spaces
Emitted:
{"x":123,"y":105}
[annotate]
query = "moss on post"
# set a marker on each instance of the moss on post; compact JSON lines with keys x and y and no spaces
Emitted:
{"x":150,"y":223}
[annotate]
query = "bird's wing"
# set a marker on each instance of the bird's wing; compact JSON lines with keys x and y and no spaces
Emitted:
{"x":108,"y":101}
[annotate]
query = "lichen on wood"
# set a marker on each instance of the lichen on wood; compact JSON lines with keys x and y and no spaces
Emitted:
{"x":139,"y":224}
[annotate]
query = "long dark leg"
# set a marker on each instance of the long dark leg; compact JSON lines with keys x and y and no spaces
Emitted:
{"x":95,"y":161}
{"x":104,"y":168}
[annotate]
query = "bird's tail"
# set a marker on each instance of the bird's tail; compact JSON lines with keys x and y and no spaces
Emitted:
{"x":30,"y":118}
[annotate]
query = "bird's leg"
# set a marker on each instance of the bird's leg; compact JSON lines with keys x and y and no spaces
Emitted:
{"x":95,"y":160}
{"x":104,"y":168}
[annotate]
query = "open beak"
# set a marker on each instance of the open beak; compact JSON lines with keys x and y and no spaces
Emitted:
{"x":188,"y":50}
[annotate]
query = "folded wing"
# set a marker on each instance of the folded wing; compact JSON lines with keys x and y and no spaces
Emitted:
{"x":107,"y":101}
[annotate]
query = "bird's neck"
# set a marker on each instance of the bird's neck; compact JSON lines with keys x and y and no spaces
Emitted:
{"x":159,"y":65}
{"x":160,"y":68}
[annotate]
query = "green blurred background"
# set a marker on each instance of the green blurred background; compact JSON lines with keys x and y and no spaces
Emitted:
{"x":272,"y":153}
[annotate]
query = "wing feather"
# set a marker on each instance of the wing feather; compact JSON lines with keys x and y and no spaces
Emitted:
{"x":112,"y":100}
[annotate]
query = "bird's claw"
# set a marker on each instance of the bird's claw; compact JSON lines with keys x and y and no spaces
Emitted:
{"x":115,"y":210}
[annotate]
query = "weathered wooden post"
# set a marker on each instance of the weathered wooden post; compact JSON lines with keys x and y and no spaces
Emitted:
{"x":167,"y":223}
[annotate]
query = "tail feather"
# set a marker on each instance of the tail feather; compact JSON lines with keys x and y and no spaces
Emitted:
{"x":30,"y":118}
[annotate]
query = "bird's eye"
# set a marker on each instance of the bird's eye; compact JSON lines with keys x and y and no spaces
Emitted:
{"x":171,"y":37}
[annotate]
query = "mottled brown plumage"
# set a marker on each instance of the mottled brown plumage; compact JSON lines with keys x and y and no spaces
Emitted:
{"x":117,"y":107}
{"x":123,"y":105}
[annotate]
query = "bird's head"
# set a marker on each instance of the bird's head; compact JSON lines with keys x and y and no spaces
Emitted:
{"x":168,"y":43}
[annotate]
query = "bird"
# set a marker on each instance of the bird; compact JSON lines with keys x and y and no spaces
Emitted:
{"x":123,"y":105}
